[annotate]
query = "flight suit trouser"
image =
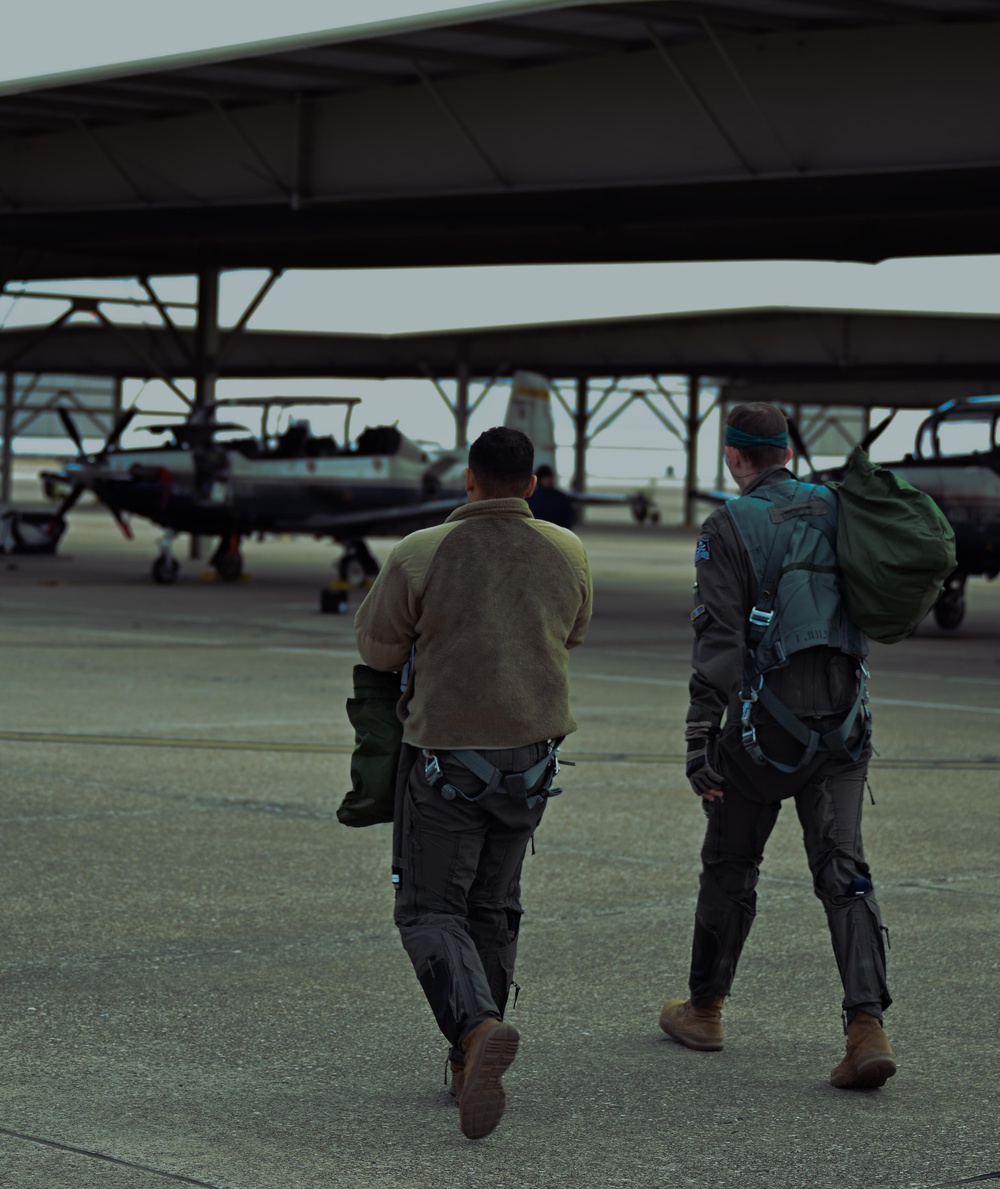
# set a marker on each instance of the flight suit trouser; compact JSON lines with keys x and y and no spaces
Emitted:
{"x":458,"y":907}
{"x":828,"y":804}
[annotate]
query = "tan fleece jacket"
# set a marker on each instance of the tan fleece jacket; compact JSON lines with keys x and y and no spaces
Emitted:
{"x":492,"y":599}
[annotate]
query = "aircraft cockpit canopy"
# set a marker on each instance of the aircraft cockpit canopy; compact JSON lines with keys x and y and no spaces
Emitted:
{"x":957,"y":428}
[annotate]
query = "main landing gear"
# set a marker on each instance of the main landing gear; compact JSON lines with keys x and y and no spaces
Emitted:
{"x":227,"y":560}
{"x":949,"y":610}
{"x":355,"y":568}
{"x":357,"y":565}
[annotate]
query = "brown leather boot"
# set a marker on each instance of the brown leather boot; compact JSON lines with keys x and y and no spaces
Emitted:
{"x":697,"y":1027}
{"x":489,"y":1049}
{"x":869,"y":1062}
{"x":457,"y":1079}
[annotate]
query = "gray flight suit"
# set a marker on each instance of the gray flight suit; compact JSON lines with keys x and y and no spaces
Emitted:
{"x":819,"y":686}
{"x":458,"y":899}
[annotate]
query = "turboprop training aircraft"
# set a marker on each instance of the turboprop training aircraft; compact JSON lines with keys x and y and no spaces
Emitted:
{"x":956,"y":460}
{"x":215,"y":478}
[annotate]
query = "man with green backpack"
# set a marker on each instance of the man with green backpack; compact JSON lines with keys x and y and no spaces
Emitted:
{"x":779,"y":710}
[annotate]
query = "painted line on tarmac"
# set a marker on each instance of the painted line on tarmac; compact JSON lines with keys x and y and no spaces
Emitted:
{"x":983,"y":763}
{"x":156,"y":1172}
{"x":935,"y":706}
{"x":162,"y":741}
{"x":671,"y":682}
{"x":876,"y":701}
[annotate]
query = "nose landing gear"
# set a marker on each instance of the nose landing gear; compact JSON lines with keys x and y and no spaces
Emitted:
{"x":166,"y":567}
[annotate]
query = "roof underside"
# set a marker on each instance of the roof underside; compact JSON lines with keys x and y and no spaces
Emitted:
{"x":797,"y":356}
{"x":620,"y":131}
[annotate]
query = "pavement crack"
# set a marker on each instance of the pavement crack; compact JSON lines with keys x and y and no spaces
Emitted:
{"x":77,"y":1151}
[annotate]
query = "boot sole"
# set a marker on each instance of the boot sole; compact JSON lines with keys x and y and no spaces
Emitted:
{"x":690,"y":1042}
{"x":870,"y":1074}
{"x":482,"y":1101}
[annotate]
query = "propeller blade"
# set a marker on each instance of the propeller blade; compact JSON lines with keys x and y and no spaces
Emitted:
{"x":70,"y":500}
{"x":69,"y":425}
{"x":119,"y":427}
{"x":123,"y":524}
{"x":876,"y":432}
{"x":799,"y":442}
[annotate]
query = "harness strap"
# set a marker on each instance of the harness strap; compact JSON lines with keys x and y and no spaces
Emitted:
{"x":834,"y":741}
{"x":528,"y":787}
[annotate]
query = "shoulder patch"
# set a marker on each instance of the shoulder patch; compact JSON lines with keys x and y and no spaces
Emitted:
{"x":702,"y":551}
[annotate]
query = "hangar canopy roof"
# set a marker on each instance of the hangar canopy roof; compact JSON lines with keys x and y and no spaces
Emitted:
{"x":797,"y":355}
{"x":521,"y":132}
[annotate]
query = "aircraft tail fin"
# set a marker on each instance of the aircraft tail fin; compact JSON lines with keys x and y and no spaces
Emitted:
{"x":530,"y":410}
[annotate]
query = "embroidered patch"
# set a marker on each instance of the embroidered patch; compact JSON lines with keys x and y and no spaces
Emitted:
{"x":701,"y":552}
{"x":698,"y":612}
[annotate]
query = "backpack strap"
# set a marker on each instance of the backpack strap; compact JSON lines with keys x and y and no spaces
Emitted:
{"x":762,"y":612}
{"x":785,"y":517}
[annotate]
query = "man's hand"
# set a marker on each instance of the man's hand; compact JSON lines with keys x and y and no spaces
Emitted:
{"x":701,"y":767}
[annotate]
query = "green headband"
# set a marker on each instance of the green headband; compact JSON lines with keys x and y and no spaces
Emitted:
{"x":741,"y":440}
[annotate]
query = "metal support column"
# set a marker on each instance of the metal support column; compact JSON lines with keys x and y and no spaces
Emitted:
{"x":581,"y":440}
{"x":206,"y":355}
{"x":461,"y":408}
{"x":720,"y":462}
{"x":581,"y":423}
{"x":693,"y":424}
{"x":8,"y":436}
{"x":206,"y":338}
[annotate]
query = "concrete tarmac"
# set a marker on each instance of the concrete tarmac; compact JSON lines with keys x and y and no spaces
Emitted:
{"x":200,"y":982}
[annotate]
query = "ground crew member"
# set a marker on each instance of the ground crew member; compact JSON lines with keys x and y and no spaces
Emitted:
{"x":547,"y":502}
{"x":487,"y":606}
{"x":776,"y":657}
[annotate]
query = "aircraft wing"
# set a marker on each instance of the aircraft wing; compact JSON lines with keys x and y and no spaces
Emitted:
{"x":375,"y":522}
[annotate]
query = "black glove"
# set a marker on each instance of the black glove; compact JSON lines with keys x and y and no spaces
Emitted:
{"x":701,"y":768}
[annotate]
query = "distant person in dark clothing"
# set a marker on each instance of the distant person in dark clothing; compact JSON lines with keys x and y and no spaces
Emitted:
{"x":548,"y":502}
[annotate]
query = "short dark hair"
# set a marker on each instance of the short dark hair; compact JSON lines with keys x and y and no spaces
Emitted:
{"x":503,"y":460}
{"x":545,"y":472}
{"x":764,"y":420}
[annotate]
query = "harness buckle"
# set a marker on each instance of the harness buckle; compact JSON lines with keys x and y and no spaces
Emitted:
{"x":432,"y":768}
{"x":760,"y":618}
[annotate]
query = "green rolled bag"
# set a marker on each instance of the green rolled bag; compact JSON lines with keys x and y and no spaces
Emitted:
{"x":378,"y":738}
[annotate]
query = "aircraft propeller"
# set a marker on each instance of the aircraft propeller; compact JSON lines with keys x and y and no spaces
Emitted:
{"x":799,"y":442}
{"x":122,"y":423}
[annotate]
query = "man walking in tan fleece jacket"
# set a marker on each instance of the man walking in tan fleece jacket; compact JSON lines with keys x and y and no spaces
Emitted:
{"x":486,"y":606}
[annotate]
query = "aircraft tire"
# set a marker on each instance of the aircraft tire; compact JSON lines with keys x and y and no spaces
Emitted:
{"x":949,"y":610}
{"x":229,"y":566}
{"x":165,"y":570}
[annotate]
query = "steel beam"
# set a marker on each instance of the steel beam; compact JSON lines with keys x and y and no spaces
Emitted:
{"x":206,"y":338}
{"x":8,"y":437}
{"x":461,"y":407}
{"x":581,"y":424}
{"x":691,"y":466}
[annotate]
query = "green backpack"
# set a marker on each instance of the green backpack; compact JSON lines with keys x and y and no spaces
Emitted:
{"x":895,"y":549}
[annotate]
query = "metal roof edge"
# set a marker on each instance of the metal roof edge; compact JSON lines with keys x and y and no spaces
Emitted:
{"x":417,"y":22}
{"x":741,"y":313}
